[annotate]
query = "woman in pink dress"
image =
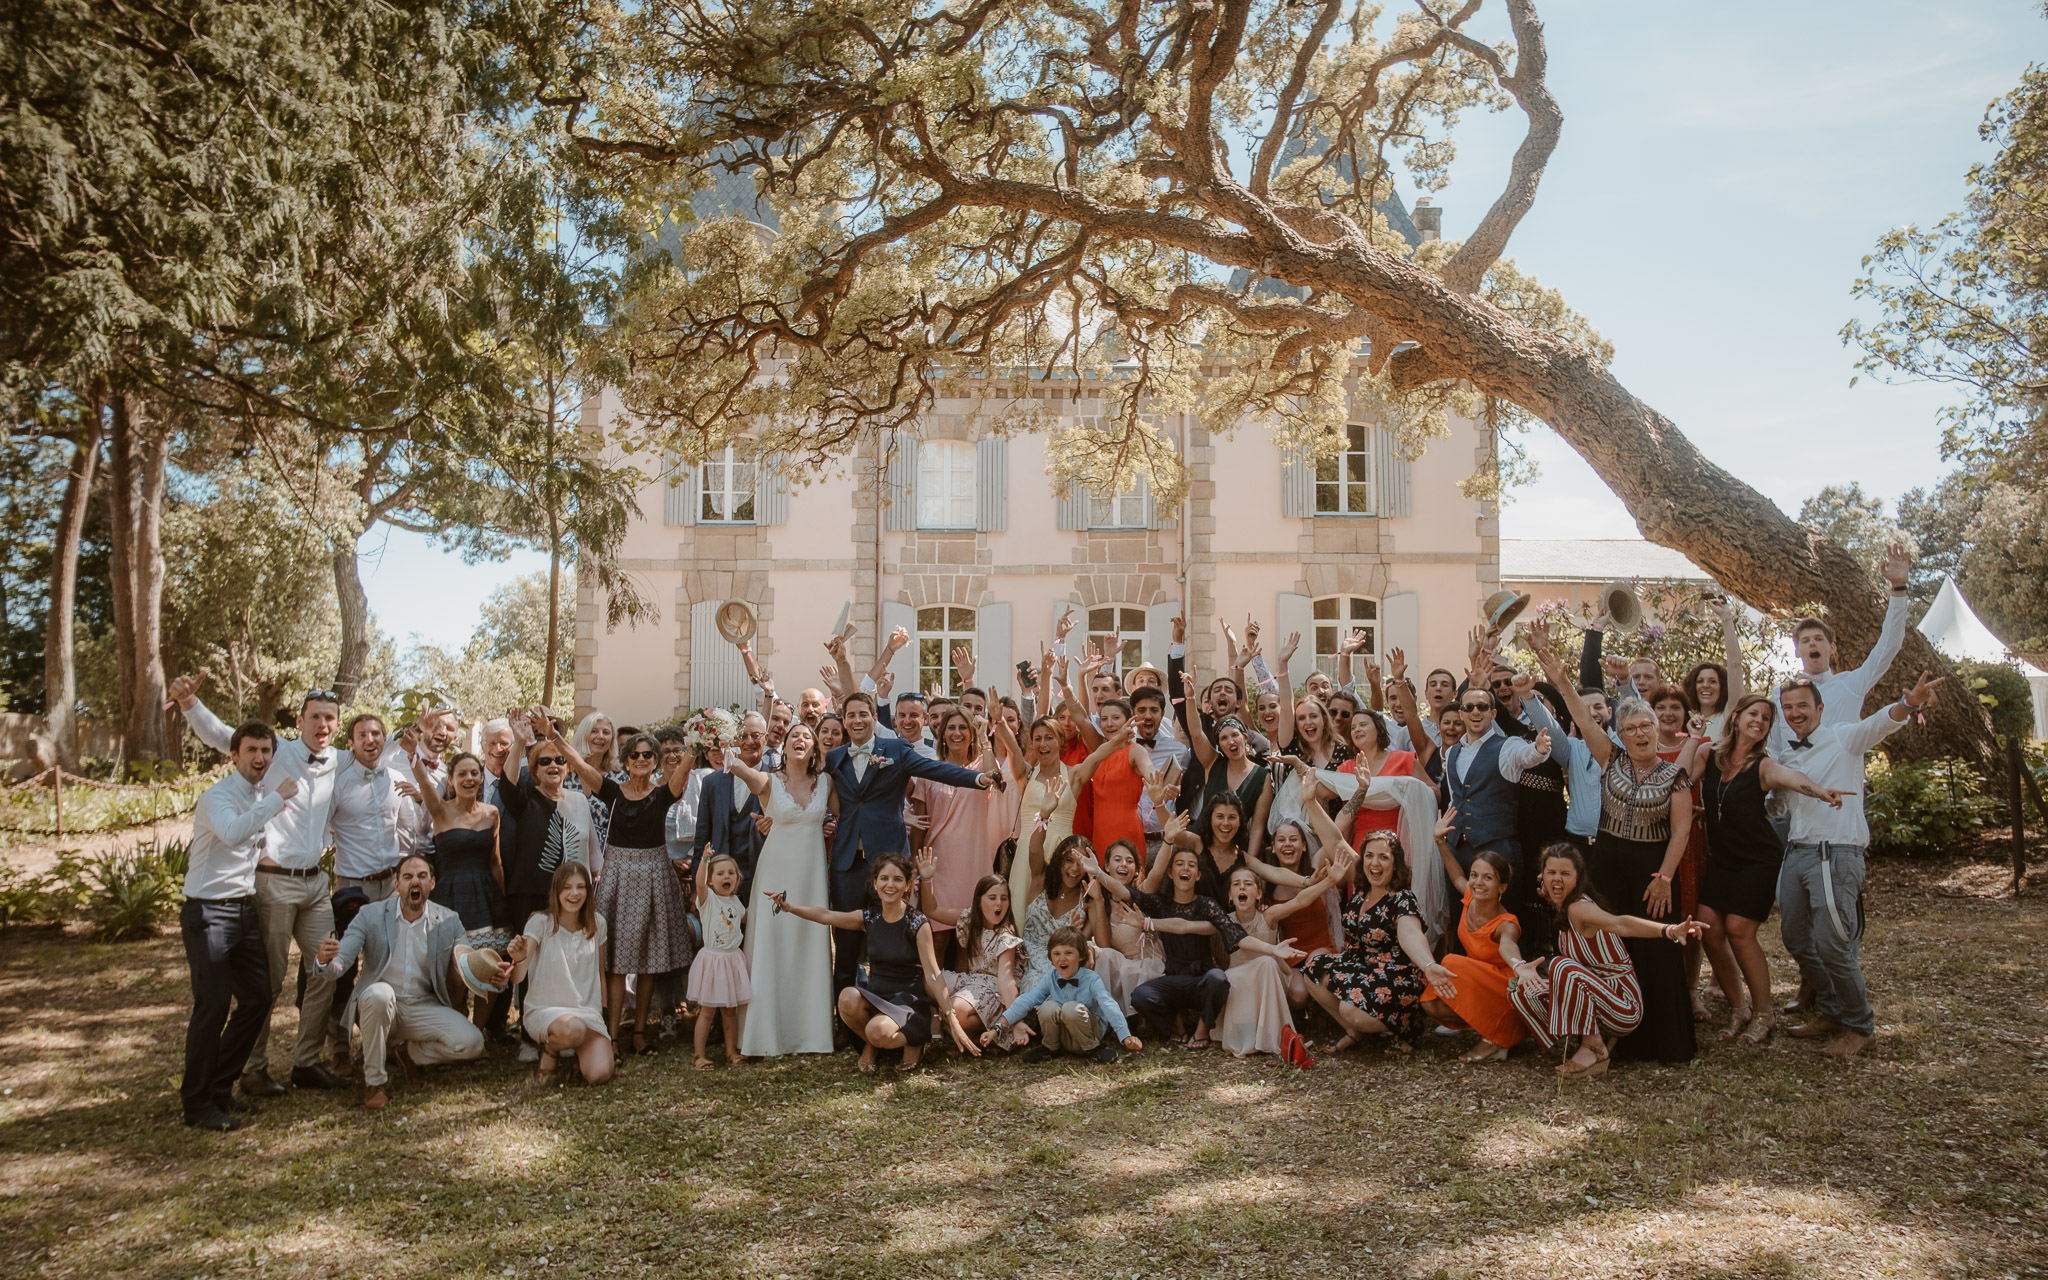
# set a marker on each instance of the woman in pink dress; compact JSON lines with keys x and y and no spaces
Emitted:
{"x":962,"y":825}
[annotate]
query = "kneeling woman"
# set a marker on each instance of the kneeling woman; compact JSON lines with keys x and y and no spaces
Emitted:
{"x":1471,"y":990}
{"x":561,"y":959}
{"x":1589,"y":989}
{"x":1373,"y":986}
{"x":987,"y":984}
{"x":893,"y":1008}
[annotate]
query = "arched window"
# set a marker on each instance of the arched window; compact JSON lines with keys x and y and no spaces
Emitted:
{"x":1337,"y":617}
{"x":1125,"y":623}
{"x":945,"y":484}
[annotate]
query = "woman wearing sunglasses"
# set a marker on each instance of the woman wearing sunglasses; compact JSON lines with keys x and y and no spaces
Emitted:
{"x":551,"y":826}
{"x":641,"y":894}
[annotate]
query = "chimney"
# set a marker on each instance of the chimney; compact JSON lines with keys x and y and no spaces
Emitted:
{"x":1429,"y":220}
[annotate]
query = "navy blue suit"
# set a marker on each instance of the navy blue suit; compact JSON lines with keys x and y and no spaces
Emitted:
{"x":720,"y":828}
{"x":870,"y":824}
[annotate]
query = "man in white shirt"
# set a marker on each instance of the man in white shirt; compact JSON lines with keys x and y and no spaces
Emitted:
{"x":1820,"y":886}
{"x":373,"y":821}
{"x":292,"y":902}
{"x":1846,"y":691}
{"x":223,"y":936}
{"x":1148,"y":717}
{"x":406,"y":943}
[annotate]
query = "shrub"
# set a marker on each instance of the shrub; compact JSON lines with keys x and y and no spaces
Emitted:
{"x":132,"y":893}
{"x":1918,"y":806}
{"x":2005,"y":695}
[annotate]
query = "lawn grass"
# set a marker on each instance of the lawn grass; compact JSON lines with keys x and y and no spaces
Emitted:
{"x":1922,"y":1158}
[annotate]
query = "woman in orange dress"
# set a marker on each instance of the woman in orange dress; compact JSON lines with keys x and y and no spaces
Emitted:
{"x":1471,"y":990}
{"x":1118,"y":770}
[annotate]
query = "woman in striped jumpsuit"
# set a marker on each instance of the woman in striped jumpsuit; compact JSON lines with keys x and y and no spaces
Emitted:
{"x":1589,"y":988}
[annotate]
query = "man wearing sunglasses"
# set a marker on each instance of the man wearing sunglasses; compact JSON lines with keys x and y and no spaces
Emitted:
{"x":1482,"y":773}
{"x":291,"y":889}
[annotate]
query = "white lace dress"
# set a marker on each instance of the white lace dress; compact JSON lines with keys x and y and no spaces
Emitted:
{"x":789,"y":960}
{"x":979,"y":983}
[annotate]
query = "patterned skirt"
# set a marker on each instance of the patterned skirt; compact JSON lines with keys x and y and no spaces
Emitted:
{"x":644,"y":906}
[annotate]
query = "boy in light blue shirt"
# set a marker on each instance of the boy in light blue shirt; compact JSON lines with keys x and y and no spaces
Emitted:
{"x":1073,"y":1007}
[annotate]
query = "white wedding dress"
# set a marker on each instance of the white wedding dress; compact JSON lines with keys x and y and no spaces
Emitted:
{"x":790,"y":960}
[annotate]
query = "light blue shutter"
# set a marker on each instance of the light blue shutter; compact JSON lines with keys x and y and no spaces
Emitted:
{"x":718,"y":678}
{"x":1297,"y":486}
{"x":992,"y":484}
{"x":771,"y":490}
{"x":1073,"y":508}
{"x":992,"y":649}
{"x":904,"y":665}
{"x":1401,"y":626}
{"x":899,"y":488}
{"x":1159,"y":637}
{"x":678,"y":492}
{"x":1153,"y":517}
{"x":1293,"y":615}
{"x":1390,"y":474}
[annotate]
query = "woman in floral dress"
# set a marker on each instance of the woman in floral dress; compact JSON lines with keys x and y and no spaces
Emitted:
{"x":1374,"y":985}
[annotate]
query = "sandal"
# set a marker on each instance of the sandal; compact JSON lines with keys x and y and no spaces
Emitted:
{"x":1737,"y":1019}
{"x":1346,"y":1041}
{"x":1570,"y":1070}
{"x":867,"y":1062}
{"x":1759,"y":1028}
{"x":701,"y":1062}
{"x":1485,"y":1051}
{"x":1196,"y":1046}
{"x":641,"y":1046}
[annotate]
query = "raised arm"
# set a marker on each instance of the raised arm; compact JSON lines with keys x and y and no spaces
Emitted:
{"x":1286,"y":655}
{"x":1587,"y":914}
{"x":1319,"y":819}
{"x":1731,"y":653}
{"x":819,"y":915}
{"x":593,"y":781}
{"x":1121,"y":740}
{"x":1595,"y":737}
{"x":927,"y":871}
{"x":999,"y":726}
{"x":1198,"y":735}
{"x":437,"y":808}
{"x":1776,"y":777}
{"x":205,"y":725}
{"x":1444,"y":823}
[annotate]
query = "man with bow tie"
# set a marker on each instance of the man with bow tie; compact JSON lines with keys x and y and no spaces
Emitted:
{"x":291,"y":889}
{"x":871,"y":775}
{"x":1820,"y":884}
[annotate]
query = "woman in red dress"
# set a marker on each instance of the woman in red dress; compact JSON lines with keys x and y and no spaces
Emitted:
{"x":1374,"y":760}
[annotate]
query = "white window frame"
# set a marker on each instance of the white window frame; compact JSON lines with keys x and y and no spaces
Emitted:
{"x":1344,"y":484}
{"x":946,"y":626}
{"x":731,"y":476}
{"x":1331,"y":631}
{"x":1126,"y":510}
{"x":946,"y":484}
{"x":1131,"y":655}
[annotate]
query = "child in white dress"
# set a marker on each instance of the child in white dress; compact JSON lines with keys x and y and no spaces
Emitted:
{"x":718,"y":976}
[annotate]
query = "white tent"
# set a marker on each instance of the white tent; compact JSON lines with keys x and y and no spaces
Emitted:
{"x":1953,"y":627}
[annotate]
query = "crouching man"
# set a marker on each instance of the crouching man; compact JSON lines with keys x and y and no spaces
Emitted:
{"x":406,"y":944}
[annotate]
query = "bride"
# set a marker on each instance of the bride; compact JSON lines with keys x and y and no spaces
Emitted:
{"x":789,"y":959}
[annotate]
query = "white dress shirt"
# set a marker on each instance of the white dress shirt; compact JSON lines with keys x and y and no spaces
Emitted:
{"x":1517,"y":755}
{"x":1833,"y":758}
{"x":227,"y":838}
{"x":1843,"y":692}
{"x":298,"y":834}
{"x":373,"y":825}
{"x":407,"y":970}
{"x":1161,"y":750}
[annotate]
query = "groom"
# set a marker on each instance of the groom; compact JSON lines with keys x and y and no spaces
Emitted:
{"x":871,"y":775}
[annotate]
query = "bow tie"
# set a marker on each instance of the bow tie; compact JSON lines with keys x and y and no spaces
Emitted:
{"x":1146,"y":742}
{"x":318,"y":759}
{"x":1067,"y":982}
{"x":1800,"y":744}
{"x":860,"y":748}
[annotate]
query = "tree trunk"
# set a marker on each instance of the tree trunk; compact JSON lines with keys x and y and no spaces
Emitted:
{"x":139,"y":460}
{"x":355,"y":623}
{"x":547,"y":675}
{"x":60,"y":659}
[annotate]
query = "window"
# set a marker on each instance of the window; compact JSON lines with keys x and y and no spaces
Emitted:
{"x":940,"y":630}
{"x":726,"y":495}
{"x":1344,"y":483}
{"x":1337,"y":617}
{"x":1125,"y":510}
{"x":945,"y":484}
{"x":1106,"y":622}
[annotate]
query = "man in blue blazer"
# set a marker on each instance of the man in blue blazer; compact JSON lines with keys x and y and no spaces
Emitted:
{"x":726,"y":809}
{"x":871,"y":775}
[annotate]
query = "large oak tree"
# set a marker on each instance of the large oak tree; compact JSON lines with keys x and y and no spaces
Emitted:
{"x":987,"y":189}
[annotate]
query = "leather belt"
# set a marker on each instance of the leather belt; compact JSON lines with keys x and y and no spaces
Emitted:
{"x":297,"y":873}
{"x":1538,"y":782}
{"x":385,"y":874}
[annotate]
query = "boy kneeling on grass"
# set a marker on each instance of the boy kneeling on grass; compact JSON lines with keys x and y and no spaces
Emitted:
{"x":1073,"y":1007}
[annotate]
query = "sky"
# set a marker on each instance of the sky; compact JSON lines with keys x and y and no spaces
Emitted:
{"x":1722,"y":171}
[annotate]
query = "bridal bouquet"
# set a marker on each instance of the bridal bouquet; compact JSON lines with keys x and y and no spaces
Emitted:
{"x":708,"y":733}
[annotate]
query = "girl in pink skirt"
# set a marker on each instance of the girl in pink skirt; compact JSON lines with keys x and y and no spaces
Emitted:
{"x":718,"y":976}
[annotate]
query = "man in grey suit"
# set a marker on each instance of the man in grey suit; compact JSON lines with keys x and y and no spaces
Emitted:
{"x":407,"y":945}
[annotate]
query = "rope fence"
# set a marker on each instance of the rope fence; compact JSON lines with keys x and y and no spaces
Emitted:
{"x":104,"y":806}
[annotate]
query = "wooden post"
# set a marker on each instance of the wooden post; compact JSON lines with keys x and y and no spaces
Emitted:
{"x":57,"y":787}
{"x":2015,"y":766}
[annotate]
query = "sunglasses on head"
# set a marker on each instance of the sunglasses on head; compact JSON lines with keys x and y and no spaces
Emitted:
{"x":321,"y":695}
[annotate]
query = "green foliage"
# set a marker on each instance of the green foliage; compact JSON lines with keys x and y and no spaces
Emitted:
{"x":2004,"y":693}
{"x":1857,"y":520}
{"x":123,"y":895}
{"x":1965,"y":302}
{"x":1925,"y":806}
{"x":34,"y":809}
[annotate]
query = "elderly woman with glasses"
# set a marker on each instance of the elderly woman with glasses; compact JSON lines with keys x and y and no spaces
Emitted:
{"x":641,"y":894}
{"x":1645,"y":821}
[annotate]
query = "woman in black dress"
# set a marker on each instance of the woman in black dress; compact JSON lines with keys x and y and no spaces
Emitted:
{"x":469,"y":868}
{"x":1739,"y":883}
{"x":1645,"y":817}
{"x":892,"y":1008}
{"x":641,"y":894}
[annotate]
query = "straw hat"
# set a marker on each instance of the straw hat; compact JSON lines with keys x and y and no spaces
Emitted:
{"x":1502,"y":608}
{"x":735,"y":620}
